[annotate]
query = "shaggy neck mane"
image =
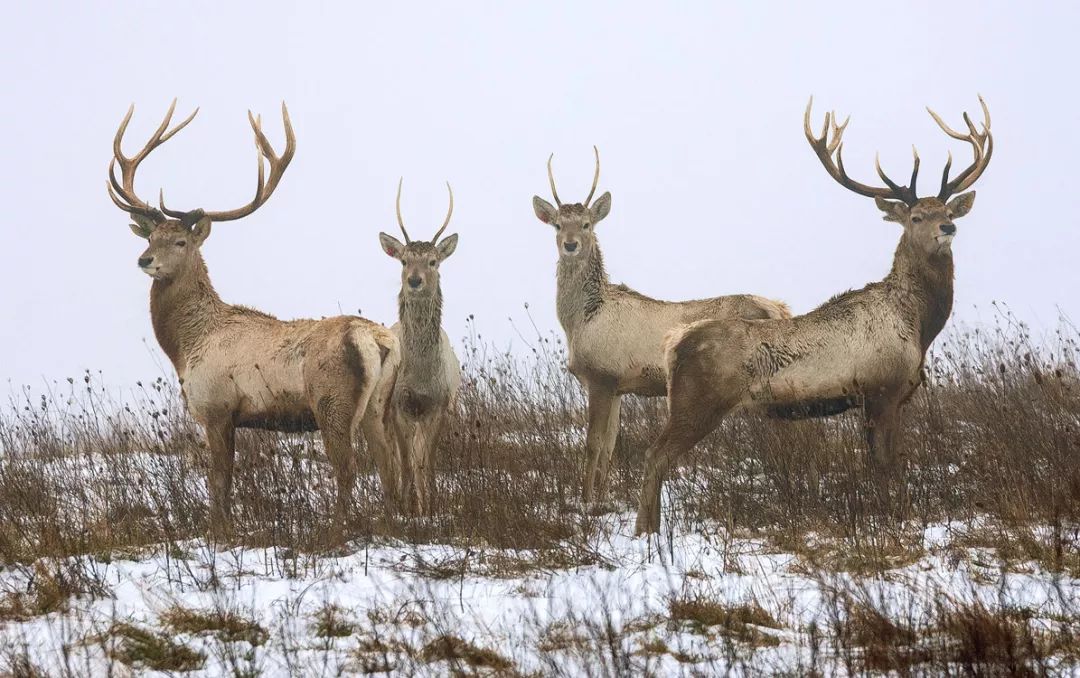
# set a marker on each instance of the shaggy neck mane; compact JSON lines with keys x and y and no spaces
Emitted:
{"x":925,"y":284}
{"x":421,"y":331}
{"x":183,"y":310}
{"x":581,"y":285}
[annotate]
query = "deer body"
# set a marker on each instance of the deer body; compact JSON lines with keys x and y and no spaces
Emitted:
{"x":427,"y":382}
{"x":863,"y":348}
{"x":615,"y":336}
{"x":241,"y":368}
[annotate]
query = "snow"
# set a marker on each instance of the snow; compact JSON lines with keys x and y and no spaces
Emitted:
{"x":383,"y":589}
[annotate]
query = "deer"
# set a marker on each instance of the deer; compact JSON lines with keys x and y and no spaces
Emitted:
{"x":242,"y":368}
{"x":860,"y":349}
{"x":615,"y":335}
{"x":428,"y":379}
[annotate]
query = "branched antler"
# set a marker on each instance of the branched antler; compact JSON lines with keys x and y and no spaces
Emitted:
{"x":123,"y":192}
{"x":826,"y":148}
{"x":982,"y":145}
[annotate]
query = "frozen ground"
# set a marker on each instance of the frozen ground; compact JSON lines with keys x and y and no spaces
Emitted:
{"x":393,"y":600}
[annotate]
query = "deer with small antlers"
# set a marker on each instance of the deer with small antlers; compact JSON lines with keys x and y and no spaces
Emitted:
{"x":615,"y":335}
{"x":430,"y":375}
{"x":863,"y":348}
{"x":241,"y":368}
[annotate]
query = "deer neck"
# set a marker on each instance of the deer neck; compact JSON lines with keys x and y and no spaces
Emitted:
{"x":581,"y":284}
{"x":924,"y":286}
{"x":183,"y":310}
{"x":421,"y":331}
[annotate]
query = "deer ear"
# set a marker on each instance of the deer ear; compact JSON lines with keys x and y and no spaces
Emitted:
{"x":601,"y":207}
{"x":143,"y":226}
{"x":894,"y":209}
{"x":447,"y":246}
{"x":201,"y":231}
{"x":391,"y":245}
{"x":545,"y":211}
{"x":961,"y":204}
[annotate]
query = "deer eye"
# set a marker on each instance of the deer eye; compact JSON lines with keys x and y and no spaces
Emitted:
{"x":181,"y":243}
{"x":402,"y":262}
{"x":585,"y":227}
{"x":432,"y":262}
{"x":916,"y":219}
{"x":557,"y":227}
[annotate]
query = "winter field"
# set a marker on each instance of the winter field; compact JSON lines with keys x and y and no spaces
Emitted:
{"x":778,"y":555}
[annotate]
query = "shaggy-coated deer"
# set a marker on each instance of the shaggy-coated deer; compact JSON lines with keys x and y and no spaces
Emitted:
{"x":863,"y":348}
{"x":615,"y":335}
{"x":242,"y":368}
{"x":428,"y":379}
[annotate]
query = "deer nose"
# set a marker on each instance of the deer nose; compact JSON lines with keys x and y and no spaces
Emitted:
{"x":570,"y":246}
{"x":948,"y":229}
{"x":414,"y":281}
{"x":145,"y":261}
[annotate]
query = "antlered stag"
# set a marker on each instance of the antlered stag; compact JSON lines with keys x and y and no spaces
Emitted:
{"x":616,"y":335}
{"x":863,"y":348}
{"x":430,"y":375}
{"x":241,"y":368}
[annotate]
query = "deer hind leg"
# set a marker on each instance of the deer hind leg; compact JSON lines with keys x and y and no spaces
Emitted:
{"x":696,"y":407}
{"x":602,"y":399}
{"x":221,"y":438}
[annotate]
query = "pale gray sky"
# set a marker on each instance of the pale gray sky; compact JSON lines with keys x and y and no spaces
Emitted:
{"x":696,"y":108}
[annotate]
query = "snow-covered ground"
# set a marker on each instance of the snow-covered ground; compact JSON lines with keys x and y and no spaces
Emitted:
{"x":537,"y":618}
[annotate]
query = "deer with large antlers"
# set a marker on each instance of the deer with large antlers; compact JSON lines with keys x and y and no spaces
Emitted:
{"x":863,"y":348}
{"x":238,"y":367}
{"x":430,"y":375}
{"x":615,"y":335}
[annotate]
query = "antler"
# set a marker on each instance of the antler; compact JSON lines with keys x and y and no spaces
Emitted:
{"x":449,"y":212}
{"x":824,"y":148}
{"x":595,"y":181}
{"x":551,"y":180}
{"x":123,"y":194}
{"x":265,"y":187}
{"x":446,"y":222}
{"x":982,"y":145}
{"x":400,"y":221}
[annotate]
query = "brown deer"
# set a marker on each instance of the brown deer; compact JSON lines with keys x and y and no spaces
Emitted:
{"x":863,"y":348}
{"x":241,"y":368}
{"x":615,"y":335}
{"x":430,"y":375}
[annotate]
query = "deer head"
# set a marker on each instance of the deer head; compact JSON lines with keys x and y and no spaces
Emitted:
{"x":928,"y":222}
{"x":574,"y":222}
{"x":175,"y":236}
{"x":420,"y":259}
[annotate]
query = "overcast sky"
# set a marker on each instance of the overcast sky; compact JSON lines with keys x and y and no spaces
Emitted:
{"x":696,"y":108}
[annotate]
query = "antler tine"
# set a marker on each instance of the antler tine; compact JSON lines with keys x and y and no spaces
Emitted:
{"x":914,"y":170}
{"x":449,"y":213}
{"x":825,"y":149}
{"x":982,"y":146}
{"x":265,"y":185}
{"x":595,"y":179}
{"x":400,"y":221}
{"x":123,"y":191}
{"x":551,"y":180}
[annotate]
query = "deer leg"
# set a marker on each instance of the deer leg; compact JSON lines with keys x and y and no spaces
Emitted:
{"x":383,"y":449}
{"x":335,"y":424}
{"x":607,"y":450}
{"x":882,"y":427}
{"x":601,"y":399}
{"x":695,"y":409}
{"x":407,"y":434}
{"x":221,"y":438}
{"x":432,"y":429}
